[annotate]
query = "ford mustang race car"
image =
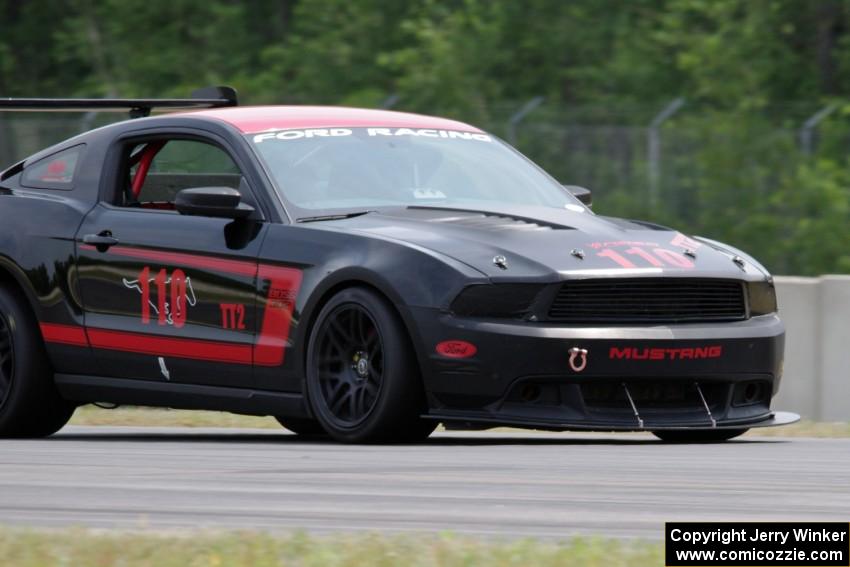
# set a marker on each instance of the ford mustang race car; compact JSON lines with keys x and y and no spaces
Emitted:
{"x":363,"y":274}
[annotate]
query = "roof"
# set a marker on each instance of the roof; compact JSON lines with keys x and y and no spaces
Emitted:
{"x":252,"y":119}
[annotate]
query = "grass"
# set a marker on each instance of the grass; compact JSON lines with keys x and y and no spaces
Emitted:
{"x":806,"y":428}
{"x":135,"y":416}
{"x":77,"y":547}
{"x":157,"y":417}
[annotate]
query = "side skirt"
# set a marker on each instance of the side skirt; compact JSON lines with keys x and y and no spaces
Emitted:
{"x":88,"y":389}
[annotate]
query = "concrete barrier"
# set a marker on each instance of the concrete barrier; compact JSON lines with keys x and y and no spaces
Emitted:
{"x":816,"y":312}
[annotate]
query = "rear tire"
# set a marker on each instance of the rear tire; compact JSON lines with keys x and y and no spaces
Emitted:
{"x":301,"y":426}
{"x":698,"y":436}
{"x":363,"y":380}
{"x":30,"y":404}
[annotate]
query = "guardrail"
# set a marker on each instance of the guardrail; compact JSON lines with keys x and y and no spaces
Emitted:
{"x":816,"y":312}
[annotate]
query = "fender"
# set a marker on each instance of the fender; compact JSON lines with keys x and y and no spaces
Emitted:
{"x":9,"y":270}
{"x":332,"y":258}
{"x":350,"y":277}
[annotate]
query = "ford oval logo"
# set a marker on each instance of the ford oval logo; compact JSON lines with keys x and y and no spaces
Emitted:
{"x":456,"y":349}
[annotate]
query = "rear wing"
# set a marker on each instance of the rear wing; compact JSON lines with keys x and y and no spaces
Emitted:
{"x":209,"y":97}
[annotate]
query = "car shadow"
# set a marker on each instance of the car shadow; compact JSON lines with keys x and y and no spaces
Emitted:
{"x":439,"y":440}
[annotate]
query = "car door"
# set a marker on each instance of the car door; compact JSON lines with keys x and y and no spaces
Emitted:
{"x":167,"y":296}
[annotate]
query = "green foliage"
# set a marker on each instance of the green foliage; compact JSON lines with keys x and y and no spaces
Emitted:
{"x":731,"y":167}
{"x":440,"y":66}
{"x":330,"y":53}
{"x":755,"y":189}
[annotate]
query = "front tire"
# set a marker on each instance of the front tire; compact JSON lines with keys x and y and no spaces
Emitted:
{"x":699,"y":435}
{"x":30,"y":404}
{"x":363,"y":380}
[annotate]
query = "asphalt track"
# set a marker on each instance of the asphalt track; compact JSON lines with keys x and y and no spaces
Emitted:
{"x":503,"y":484}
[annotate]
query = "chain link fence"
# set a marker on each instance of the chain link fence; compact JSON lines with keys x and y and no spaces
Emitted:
{"x":25,"y":133}
{"x":774,"y":182}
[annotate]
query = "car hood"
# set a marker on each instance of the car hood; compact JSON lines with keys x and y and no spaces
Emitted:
{"x":548,"y":243}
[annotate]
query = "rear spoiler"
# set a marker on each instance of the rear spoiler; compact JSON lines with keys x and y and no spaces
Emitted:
{"x":209,"y":97}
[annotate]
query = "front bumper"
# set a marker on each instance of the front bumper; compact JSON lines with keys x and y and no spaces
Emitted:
{"x":641,"y":377}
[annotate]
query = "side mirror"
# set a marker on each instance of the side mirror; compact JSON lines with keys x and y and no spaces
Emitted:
{"x":219,"y":202}
{"x":582,"y":194}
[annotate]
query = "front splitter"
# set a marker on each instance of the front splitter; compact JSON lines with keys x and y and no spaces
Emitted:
{"x":774,"y":419}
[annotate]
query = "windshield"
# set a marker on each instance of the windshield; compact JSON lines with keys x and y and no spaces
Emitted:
{"x":367,"y":168}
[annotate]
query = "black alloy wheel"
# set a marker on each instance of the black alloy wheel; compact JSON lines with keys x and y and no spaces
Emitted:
{"x":363,"y":379}
{"x":30,"y":403}
{"x":350,"y":361}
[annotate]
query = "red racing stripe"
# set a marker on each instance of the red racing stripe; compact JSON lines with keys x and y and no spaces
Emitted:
{"x":273,"y":335}
{"x":239,"y":267}
{"x":277,"y":320}
{"x":215,"y":351}
{"x":64,"y":334}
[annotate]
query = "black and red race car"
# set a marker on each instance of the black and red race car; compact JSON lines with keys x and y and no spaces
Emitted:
{"x":361,"y":273}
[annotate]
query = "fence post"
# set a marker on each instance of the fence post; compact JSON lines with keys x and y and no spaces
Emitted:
{"x":390,"y":101}
{"x":87,"y":121}
{"x":653,"y":142}
{"x":808,"y":129}
{"x":8,"y":153}
{"x":519,"y":116}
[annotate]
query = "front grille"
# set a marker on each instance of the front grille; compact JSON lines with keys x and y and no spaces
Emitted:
{"x":649,"y":300}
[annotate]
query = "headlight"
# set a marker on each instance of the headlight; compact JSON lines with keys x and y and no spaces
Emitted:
{"x":496,"y":300}
{"x":761,"y":297}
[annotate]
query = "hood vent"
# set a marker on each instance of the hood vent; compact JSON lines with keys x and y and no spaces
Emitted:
{"x":489,"y":221}
{"x":630,"y":224}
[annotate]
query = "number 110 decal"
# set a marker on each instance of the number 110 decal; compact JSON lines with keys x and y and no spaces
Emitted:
{"x":173,"y":294}
{"x":654,"y":257}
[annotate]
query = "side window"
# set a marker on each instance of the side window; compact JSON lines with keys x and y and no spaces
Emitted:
{"x":161,"y":169}
{"x":54,"y":172}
